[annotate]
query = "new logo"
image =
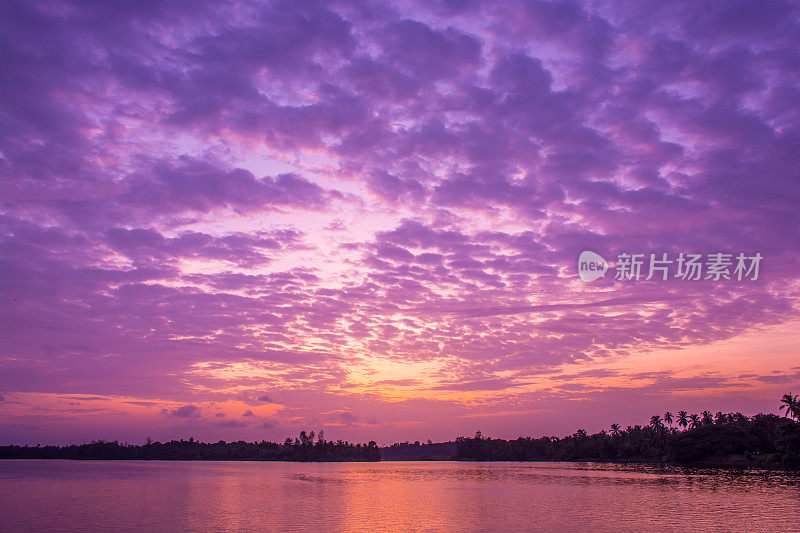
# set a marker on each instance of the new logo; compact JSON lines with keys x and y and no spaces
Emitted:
{"x":591,"y":266}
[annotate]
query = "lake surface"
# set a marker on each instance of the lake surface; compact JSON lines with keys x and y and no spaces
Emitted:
{"x":400,"y":496}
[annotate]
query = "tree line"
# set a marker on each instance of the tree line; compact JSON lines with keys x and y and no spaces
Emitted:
{"x":303,"y":448}
{"x":721,"y":439}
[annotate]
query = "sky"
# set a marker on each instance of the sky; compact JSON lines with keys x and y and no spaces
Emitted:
{"x":240,"y":220}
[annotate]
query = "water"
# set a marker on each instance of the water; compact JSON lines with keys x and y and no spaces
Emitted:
{"x":398,"y":496}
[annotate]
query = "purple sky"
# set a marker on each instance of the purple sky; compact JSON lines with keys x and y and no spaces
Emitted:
{"x":240,"y":220}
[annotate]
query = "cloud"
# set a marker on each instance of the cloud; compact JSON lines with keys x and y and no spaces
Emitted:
{"x":399,"y":382}
{"x":233,"y":424}
{"x":186,"y":411}
{"x":192,"y":185}
{"x":777,"y":379}
{"x":242,"y":249}
{"x":481,"y":384}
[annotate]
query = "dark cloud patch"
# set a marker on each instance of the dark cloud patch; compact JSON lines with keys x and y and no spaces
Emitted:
{"x":777,"y":379}
{"x":194,"y":185}
{"x":240,"y":248}
{"x":233,"y":424}
{"x":346,"y":417}
{"x":426,"y":53}
{"x":186,"y":411}
{"x":480,"y":385}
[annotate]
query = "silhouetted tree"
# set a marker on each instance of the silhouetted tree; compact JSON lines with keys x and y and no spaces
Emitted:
{"x":683,"y":419}
{"x":655,"y":422}
{"x":792,"y":406}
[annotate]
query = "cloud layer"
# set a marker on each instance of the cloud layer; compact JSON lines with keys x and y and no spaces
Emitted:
{"x":364,"y":215}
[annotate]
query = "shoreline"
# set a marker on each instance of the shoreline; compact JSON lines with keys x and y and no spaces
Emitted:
{"x":739,"y":467}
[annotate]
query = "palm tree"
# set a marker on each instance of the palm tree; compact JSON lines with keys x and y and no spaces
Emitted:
{"x":792,"y":406}
{"x":615,"y":429}
{"x":683,"y":420}
{"x":707,"y":418}
{"x":656,"y":422}
{"x":695,"y":421}
{"x":668,"y":418}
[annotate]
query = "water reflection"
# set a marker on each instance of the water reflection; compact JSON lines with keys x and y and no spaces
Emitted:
{"x":447,"y":496}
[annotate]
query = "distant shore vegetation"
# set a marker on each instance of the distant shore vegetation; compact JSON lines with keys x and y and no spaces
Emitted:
{"x":705,"y":439}
{"x":302,"y":448}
